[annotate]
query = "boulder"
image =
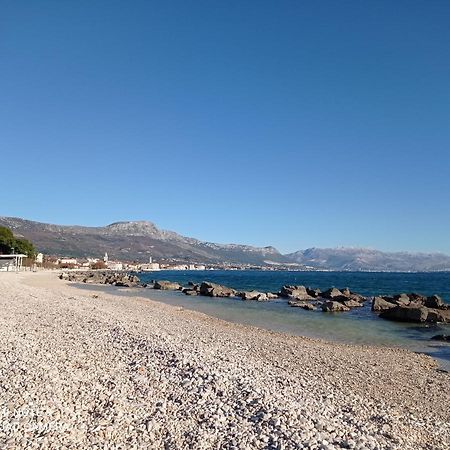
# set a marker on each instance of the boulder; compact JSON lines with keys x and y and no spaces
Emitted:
{"x":434,"y":302}
{"x":302,"y":304}
{"x":313,"y":292}
{"x":380,"y":304}
{"x":332,"y":306}
{"x":189,"y":291}
{"x":414,"y":313}
{"x":253,"y":295}
{"x":438,"y":315}
{"x":441,"y":337}
{"x":401,"y":299}
{"x":351,"y":303}
{"x":417,"y":298}
{"x":271,"y":295}
{"x":298,"y":292}
{"x":216,"y":290}
{"x":165,"y":285}
{"x":333,"y":294}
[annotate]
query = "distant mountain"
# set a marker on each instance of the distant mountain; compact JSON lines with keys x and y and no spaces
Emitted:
{"x":362,"y":259}
{"x":134,"y":241}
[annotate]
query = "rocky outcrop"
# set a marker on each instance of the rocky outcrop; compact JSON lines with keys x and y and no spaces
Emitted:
{"x":333,"y":306}
{"x":190,"y":292}
{"x":435,"y":302}
{"x":165,"y":285}
{"x":120,"y":279}
{"x":380,"y":304}
{"x":216,"y":290}
{"x":297,"y":292}
{"x":253,"y":295}
{"x":302,"y":304}
{"x":438,"y":315}
{"x":410,"y":313}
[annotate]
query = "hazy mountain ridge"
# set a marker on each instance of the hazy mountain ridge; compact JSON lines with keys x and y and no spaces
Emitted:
{"x":138,"y":240}
{"x":135,"y":240}
{"x":370,"y":259}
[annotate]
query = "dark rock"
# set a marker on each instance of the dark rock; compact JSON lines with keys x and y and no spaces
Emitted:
{"x":417,"y":298}
{"x":302,"y":304}
{"x":333,"y":294}
{"x":415,"y":313}
{"x":332,"y":306}
{"x":438,"y":315}
{"x":298,"y":292}
{"x":434,"y":302}
{"x":313,"y":292}
{"x":441,"y":337}
{"x":190,"y":292}
{"x":216,"y":290}
{"x":165,"y":285}
{"x":380,"y":304}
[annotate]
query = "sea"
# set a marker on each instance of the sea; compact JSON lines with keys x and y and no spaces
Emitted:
{"x":359,"y":326}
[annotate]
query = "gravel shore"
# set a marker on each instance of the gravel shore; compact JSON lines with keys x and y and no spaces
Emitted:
{"x":83,"y":369}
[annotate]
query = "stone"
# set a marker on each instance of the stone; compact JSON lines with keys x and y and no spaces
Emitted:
{"x":313,"y":292}
{"x":332,"y":306}
{"x":332,"y":294}
{"x":380,"y":304}
{"x":351,"y":303}
{"x":216,"y":290}
{"x":438,"y":315}
{"x":298,"y":292}
{"x":401,"y":299}
{"x":190,"y":292}
{"x":302,"y":304}
{"x":252,"y":295}
{"x":434,"y":302}
{"x":441,"y":337}
{"x":415,"y":313}
{"x":165,"y":285}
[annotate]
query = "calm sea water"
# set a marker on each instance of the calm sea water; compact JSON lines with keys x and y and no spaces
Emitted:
{"x":357,"y":326}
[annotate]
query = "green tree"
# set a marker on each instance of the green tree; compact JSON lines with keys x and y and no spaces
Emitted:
{"x":8,"y":242}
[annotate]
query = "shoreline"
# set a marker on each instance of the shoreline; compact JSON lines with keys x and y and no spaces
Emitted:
{"x":359,"y":392}
{"x":435,"y":350}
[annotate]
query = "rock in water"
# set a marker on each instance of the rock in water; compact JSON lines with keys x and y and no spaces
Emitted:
{"x":380,"y":304}
{"x":216,"y":290}
{"x":165,"y":285}
{"x":415,"y":313}
{"x":434,"y":302}
{"x":297,"y":292}
{"x":332,"y":306}
{"x":438,"y":315}
{"x":441,"y":337}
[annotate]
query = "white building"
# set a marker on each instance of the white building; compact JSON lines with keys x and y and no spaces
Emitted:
{"x":150,"y":267}
{"x":114,"y":265}
{"x":73,"y":261}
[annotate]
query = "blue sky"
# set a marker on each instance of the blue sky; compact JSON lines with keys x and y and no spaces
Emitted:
{"x":293,"y":124}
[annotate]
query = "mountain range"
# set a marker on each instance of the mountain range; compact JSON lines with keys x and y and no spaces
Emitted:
{"x":137,"y":241}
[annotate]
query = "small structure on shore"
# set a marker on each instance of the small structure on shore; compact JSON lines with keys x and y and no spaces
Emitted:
{"x":12,"y":262}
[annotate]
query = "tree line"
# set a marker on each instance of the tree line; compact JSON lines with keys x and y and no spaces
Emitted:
{"x":9,"y":243}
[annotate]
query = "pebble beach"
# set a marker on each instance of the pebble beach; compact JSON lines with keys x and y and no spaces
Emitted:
{"x":86,"y":369}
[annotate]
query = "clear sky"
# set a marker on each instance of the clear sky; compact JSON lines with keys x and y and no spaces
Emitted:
{"x":287,"y":123}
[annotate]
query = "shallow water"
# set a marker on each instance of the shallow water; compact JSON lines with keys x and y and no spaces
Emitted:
{"x":359,"y":326}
